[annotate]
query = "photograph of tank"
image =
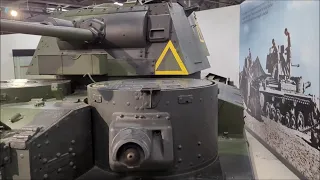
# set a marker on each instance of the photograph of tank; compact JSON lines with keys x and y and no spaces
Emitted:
{"x":279,"y":78}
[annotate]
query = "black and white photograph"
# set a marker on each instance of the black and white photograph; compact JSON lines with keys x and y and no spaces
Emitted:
{"x":279,"y":79}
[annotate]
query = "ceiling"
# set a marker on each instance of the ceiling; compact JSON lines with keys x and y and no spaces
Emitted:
{"x":38,"y":10}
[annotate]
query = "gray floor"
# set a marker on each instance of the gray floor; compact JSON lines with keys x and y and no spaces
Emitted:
{"x":267,"y":166}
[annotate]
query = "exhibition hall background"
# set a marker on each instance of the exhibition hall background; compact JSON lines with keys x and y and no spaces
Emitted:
{"x":229,"y":33}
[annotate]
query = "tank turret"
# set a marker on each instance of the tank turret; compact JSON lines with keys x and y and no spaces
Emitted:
{"x":142,"y":40}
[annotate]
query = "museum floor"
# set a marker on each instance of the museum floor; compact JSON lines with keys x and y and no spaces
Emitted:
{"x":267,"y":166}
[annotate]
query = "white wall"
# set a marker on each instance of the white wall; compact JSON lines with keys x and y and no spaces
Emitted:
{"x":14,"y":41}
{"x":221,"y":30}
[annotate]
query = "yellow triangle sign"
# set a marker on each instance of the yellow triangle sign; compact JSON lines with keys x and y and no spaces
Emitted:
{"x":183,"y":69}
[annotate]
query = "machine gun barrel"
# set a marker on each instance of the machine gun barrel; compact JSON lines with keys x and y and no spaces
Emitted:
{"x":68,"y":33}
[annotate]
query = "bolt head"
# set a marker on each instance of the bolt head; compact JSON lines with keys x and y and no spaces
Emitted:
{"x":44,"y":160}
{"x":73,"y":141}
{"x":58,"y":154}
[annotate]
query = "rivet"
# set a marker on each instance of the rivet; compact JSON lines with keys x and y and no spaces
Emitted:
{"x":128,"y":103}
{"x":142,"y":116}
{"x":121,"y":115}
{"x":141,"y":108}
{"x":59,"y":169}
{"x":136,"y":97}
{"x":21,"y":156}
{"x":191,"y":164}
{"x":58,"y":154}
{"x":180,"y":147}
{"x":73,"y":154}
{"x":39,"y":145}
{"x":136,"y":108}
{"x":167,"y":103}
{"x":70,"y":149}
{"x":47,"y":142}
{"x":71,"y":163}
{"x":44,"y":160}
{"x":113,"y":102}
{"x":179,"y":160}
{"x":146,"y":104}
{"x":5,"y":146}
{"x":74,"y":167}
{"x":199,"y":143}
{"x":16,"y":98}
{"x":136,"y":116}
{"x":199,"y":155}
{"x":73,"y":141}
{"x":200,"y":99}
{"x":45,"y":176}
{"x":6,"y":158}
{"x":167,"y":118}
{"x":158,"y":116}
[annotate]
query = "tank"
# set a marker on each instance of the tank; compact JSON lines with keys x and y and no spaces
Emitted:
{"x":282,"y":96}
{"x":127,"y":103}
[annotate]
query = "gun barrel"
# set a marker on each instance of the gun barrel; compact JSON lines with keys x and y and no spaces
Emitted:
{"x":46,"y":30}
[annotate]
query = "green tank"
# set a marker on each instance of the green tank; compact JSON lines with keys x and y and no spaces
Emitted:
{"x":128,"y":101}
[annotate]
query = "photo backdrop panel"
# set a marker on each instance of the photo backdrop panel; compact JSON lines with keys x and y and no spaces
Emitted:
{"x":279,"y":78}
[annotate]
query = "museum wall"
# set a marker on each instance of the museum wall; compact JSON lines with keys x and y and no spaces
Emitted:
{"x":279,"y":79}
{"x":14,"y":41}
{"x":220,"y":29}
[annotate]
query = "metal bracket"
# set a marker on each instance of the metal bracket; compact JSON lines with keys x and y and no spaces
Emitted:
{"x":185,"y":99}
{"x":148,"y":92}
{"x":38,"y":102}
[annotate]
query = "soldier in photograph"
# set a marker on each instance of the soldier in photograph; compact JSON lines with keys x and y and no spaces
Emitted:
{"x":275,"y":59}
{"x":288,"y":52}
